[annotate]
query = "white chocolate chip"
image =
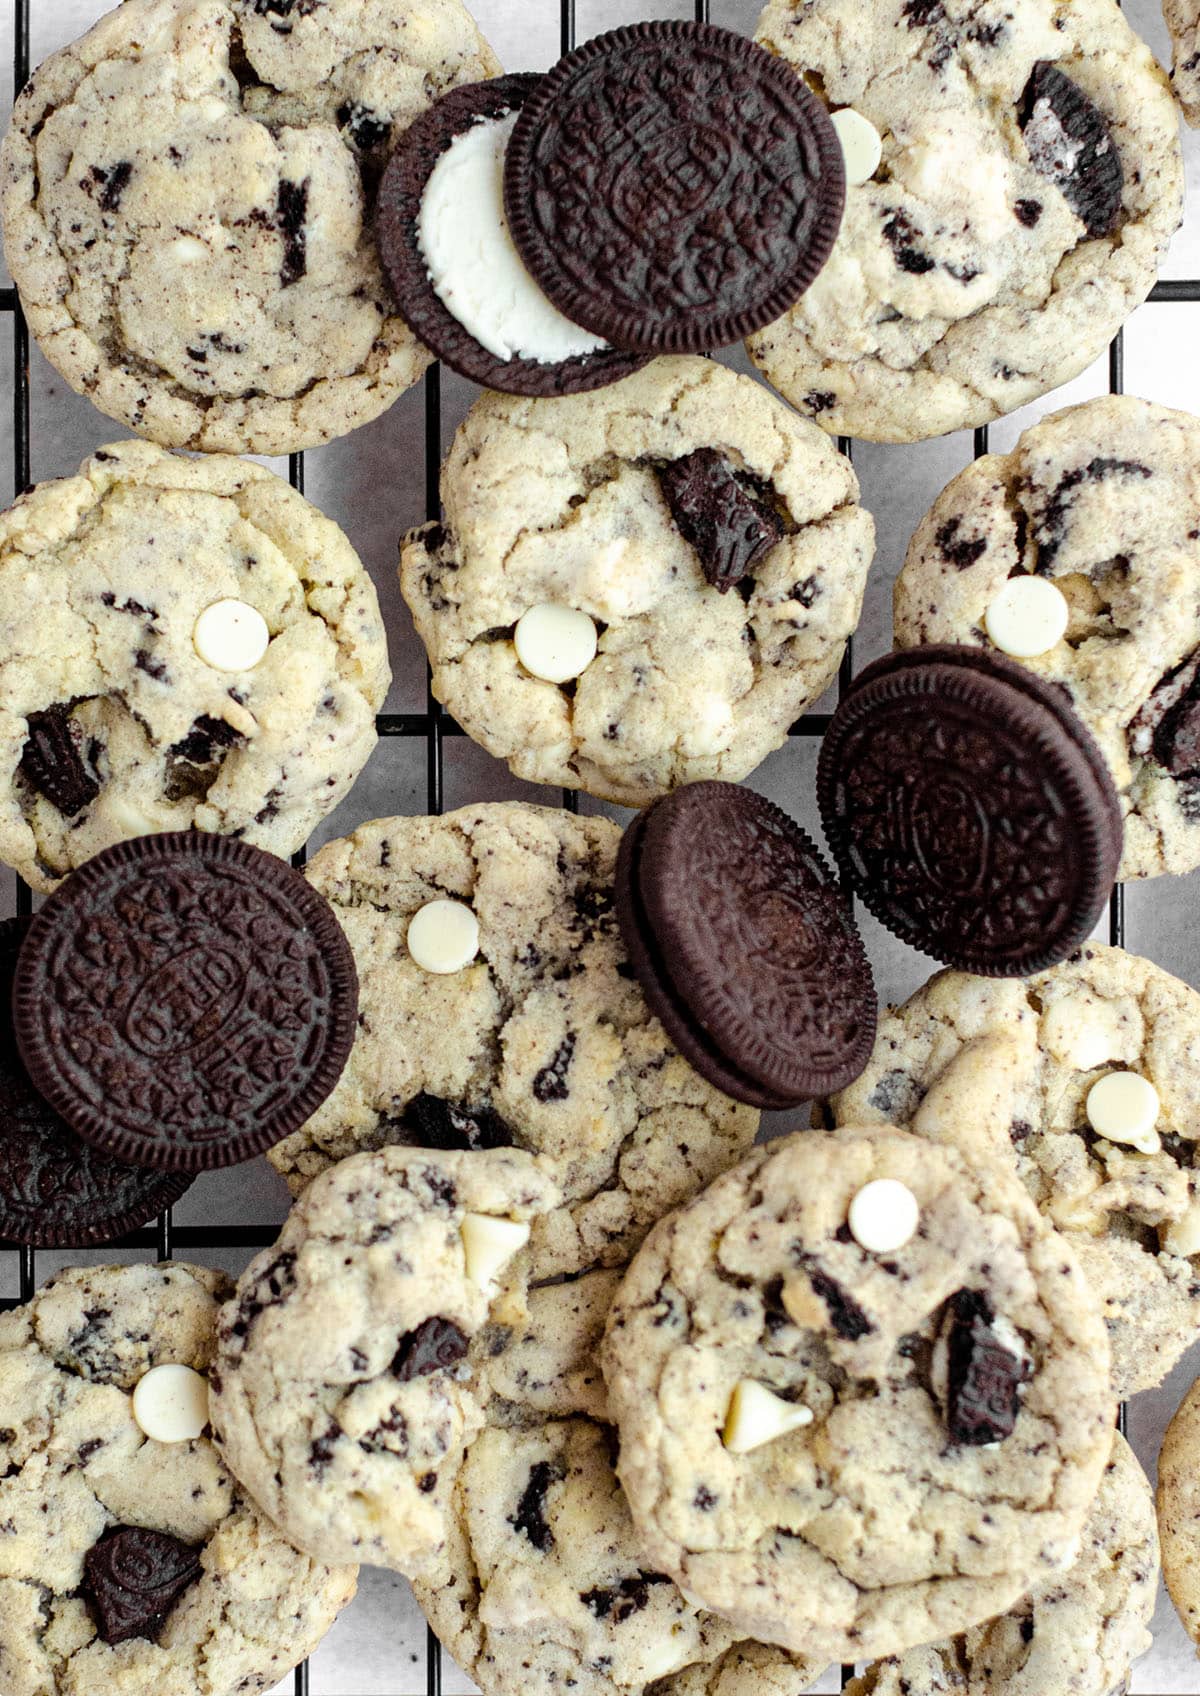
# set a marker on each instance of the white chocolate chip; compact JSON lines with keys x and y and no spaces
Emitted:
{"x":1028,"y":617}
{"x":861,"y":145}
{"x":443,"y":937}
{"x":1123,"y":1107}
{"x":188,"y":251}
{"x":489,"y":1244}
{"x":555,"y":643}
{"x":757,"y":1416}
{"x":884,"y":1216}
{"x":171,"y":1404}
{"x":1182,"y":1236}
{"x":231,"y":636}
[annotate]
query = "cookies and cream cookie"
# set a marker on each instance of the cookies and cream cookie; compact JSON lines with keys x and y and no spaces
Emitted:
{"x":642,"y":587}
{"x":1183,"y":21}
{"x":1018,"y":179}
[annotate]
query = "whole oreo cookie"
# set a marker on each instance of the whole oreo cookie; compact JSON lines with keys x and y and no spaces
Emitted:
{"x":185,"y":1000}
{"x":55,"y":1190}
{"x":397,"y":216}
{"x":745,"y":946}
{"x":971,"y":810}
{"x":674,"y":187}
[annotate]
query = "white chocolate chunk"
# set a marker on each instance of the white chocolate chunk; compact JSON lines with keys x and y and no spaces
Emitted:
{"x":473,"y":263}
{"x":555,"y":643}
{"x":188,"y":251}
{"x":171,"y":1404}
{"x":443,"y":937}
{"x":884,"y":1216}
{"x":1182,"y":1236}
{"x":489,"y":1244}
{"x":1123,"y":1107}
{"x":1028,"y":617}
{"x":757,"y":1416}
{"x":231,"y":636}
{"x":861,"y":142}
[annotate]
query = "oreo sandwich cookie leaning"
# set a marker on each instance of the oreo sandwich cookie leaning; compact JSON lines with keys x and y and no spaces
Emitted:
{"x":185,"y":1000}
{"x":745,"y":947}
{"x":57,"y":1191}
{"x":674,"y":187}
{"x":446,"y":251}
{"x":971,"y":810}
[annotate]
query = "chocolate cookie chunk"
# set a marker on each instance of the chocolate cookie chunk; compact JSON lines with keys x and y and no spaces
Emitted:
{"x":53,"y":762}
{"x":133,"y":1578}
{"x":971,"y":810}
{"x":730,"y":525}
{"x":1070,"y":142}
{"x":184,"y":1001}
{"x":673,"y":187}
{"x":397,"y":232}
{"x":56,"y":1191}
{"x":744,"y":945}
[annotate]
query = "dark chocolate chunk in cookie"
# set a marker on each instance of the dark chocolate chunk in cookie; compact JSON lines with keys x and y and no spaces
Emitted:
{"x":745,"y":946}
{"x":184,"y":1001}
{"x":52,"y":762}
{"x":430,"y":1122}
{"x":435,"y":1346}
{"x":57,"y":1191}
{"x":983,"y":1374}
{"x":397,"y":231}
{"x":971,"y":809}
{"x":133,"y":1578}
{"x":728,"y":527}
{"x":673,"y":187}
{"x":1070,"y":142}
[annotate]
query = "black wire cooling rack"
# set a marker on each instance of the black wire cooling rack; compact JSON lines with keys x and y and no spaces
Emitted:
{"x":432,"y":725}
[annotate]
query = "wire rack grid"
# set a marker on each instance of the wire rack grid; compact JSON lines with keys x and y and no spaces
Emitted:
{"x":431,"y":725}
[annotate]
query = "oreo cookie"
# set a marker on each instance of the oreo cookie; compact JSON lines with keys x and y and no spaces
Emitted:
{"x":674,"y":187}
{"x":185,"y":1000}
{"x":55,"y":1190}
{"x":397,"y":231}
{"x":970,"y":808}
{"x":745,"y":946}
{"x":1069,"y":141}
{"x":132,"y":1578}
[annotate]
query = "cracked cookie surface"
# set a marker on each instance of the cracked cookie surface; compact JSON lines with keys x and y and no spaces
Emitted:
{"x":1103,"y":500}
{"x":543,"y":1041}
{"x":896,"y":1515}
{"x":1076,"y":1636}
{"x":342,"y":1395}
{"x":1178,"y":1502}
{"x":102,"y":579}
{"x":188,"y":201}
{"x":74,"y":1464}
{"x":976,"y":270}
{"x":547,"y":1585}
{"x":1183,"y":21}
{"x":1009,"y":1065}
{"x":707,"y":654}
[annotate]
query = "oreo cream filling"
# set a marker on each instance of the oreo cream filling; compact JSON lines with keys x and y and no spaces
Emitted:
{"x":474,"y":267}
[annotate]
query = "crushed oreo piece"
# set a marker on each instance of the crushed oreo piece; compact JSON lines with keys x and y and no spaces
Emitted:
{"x":621,"y":1601}
{"x":291,"y":210}
{"x":1069,"y":142}
{"x":1168,"y":726}
{"x":530,"y":1517}
{"x":133,"y":1578}
{"x":845,"y":1315}
{"x":194,"y":762}
{"x":984,"y":1376}
{"x":52,"y":762}
{"x":435,"y":1346}
{"x":730,"y":529}
{"x":434,"y":1123}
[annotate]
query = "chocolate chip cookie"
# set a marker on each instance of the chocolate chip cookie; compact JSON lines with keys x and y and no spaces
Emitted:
{"x":862,"y":1391}
{"x":497,"y":1008}
{"x":1024,"y":182}
{"x":184,"y":644}
{"x":132,"y":1560}
{"x":641,"y":587}
{"x":342,"y":1394}
{"x":188,"y":205}
{"x":1078,"y":1634}
{"x":1013,"y":1066}
{"x":1076,"y":554}
{"x":1183,"y":21}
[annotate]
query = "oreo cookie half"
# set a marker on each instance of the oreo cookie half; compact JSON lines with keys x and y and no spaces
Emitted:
{"x":55,"y":1190}
{"x":185,"y":1000}
{"x":468,"y":111}
{"x":971,"y":810}
{"x":745,"y":947}
{"x":674,"y":187}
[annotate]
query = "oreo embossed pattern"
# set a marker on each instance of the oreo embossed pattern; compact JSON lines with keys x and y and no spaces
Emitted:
{"x":673,"y":187}
{"x":184,"y":1001}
